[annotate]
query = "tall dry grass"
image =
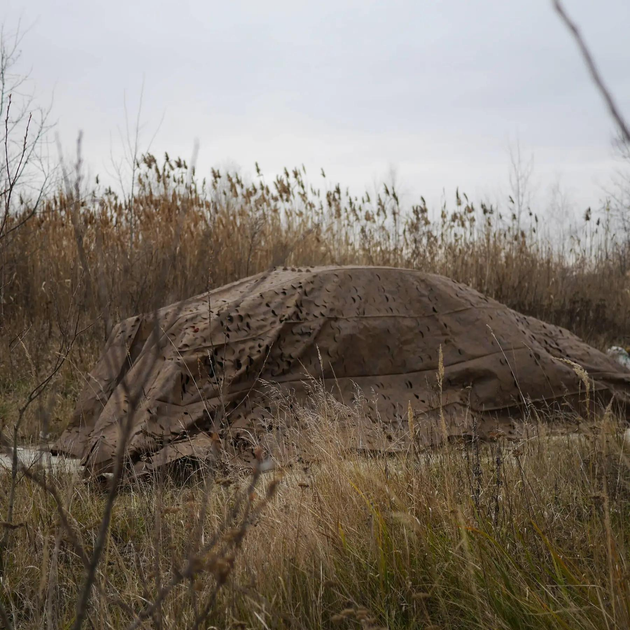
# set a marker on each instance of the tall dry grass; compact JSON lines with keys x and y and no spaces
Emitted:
{"x":94,"y":245}
{"x":509,"y":535}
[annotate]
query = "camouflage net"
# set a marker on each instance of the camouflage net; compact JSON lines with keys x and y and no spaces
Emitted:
{"x":369,"y":334}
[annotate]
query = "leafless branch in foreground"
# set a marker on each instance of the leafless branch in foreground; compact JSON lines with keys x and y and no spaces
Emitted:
{"x":594,"y":72}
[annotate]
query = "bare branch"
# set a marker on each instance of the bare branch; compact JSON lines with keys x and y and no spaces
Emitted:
{"x":134,"y":392}
{"x":592,"y":68}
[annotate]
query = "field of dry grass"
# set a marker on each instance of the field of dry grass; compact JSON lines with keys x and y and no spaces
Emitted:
{"x":92,"y":248}
{"x":531,"y":534}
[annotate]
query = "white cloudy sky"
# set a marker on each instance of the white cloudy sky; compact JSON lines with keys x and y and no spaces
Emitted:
{"x":435,"y":89}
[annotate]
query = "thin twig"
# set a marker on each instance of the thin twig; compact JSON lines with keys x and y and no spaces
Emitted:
{"x":154,"y":345}
{"x":594,"y":72}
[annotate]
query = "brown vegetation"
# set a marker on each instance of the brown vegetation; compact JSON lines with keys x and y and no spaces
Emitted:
{"x":106,"y":253}
{"x":521,"y":535}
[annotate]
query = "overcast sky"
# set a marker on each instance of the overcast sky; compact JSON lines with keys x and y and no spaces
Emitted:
{"x":434,"y":89}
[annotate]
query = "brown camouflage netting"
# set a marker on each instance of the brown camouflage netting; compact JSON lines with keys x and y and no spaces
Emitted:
{"x":368,"y":333}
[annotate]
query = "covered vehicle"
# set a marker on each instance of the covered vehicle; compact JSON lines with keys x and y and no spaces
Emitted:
{"x":212,"y":372}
